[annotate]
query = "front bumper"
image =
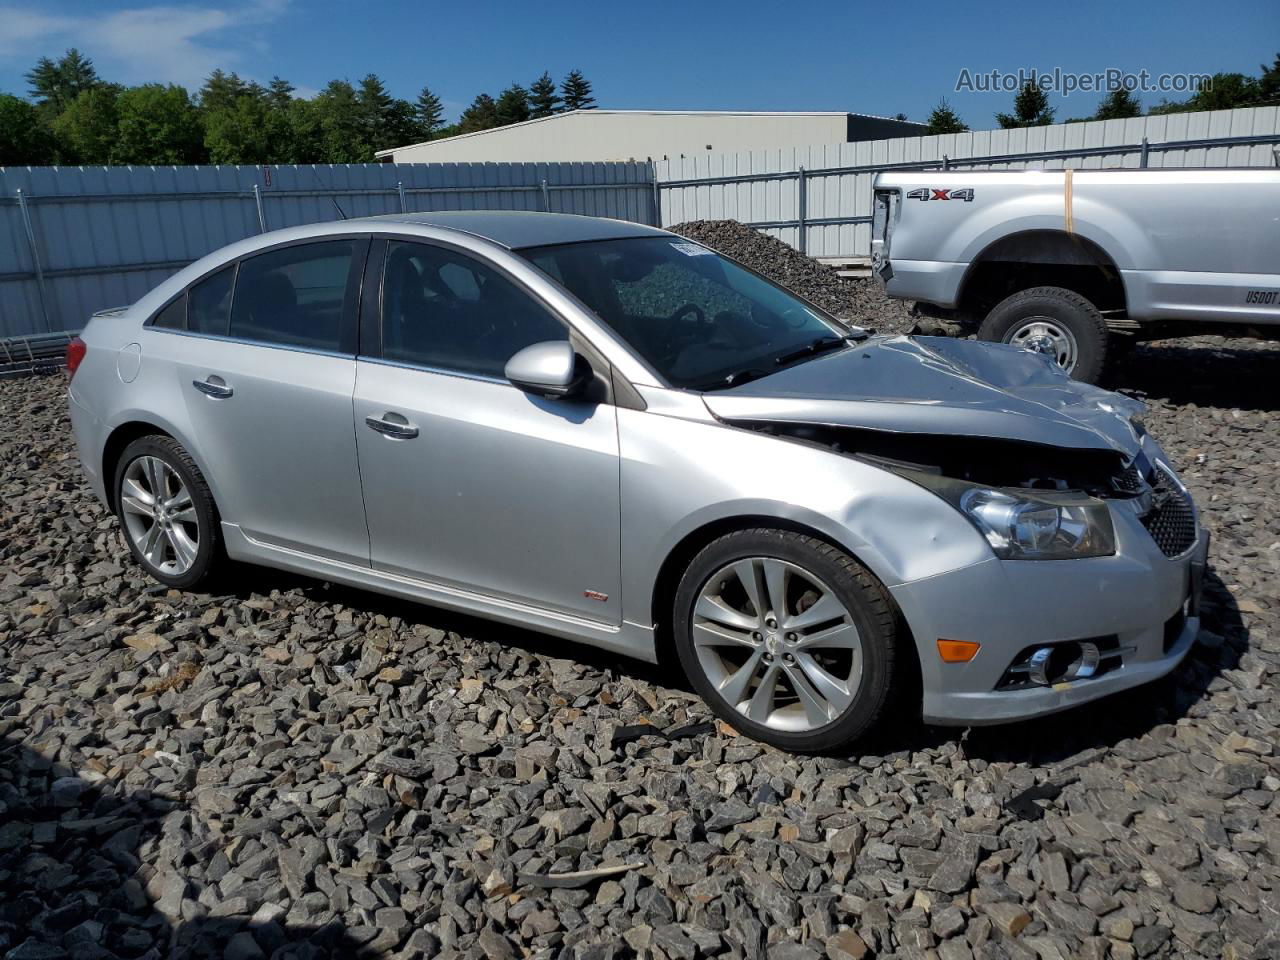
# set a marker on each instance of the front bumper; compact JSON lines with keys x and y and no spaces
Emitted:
{"x":1146,"y":601}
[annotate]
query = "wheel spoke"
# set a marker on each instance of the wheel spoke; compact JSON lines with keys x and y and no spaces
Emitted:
{"x":153,"y":544}
{"x":833,"y":691}
{"x":717,"y":611}
{"x":842,"y":636}
{"x":749,"y":576}
{"x":712,"y":635}
{"x":827,"y":608}
{"x":181,"y":510}
{"x":735,"y":685}
{"x":776,"y":575}
{"x":155,"y":475}
{"x":761,"y":704}
{"x":184,"y":549}
{"x":135,"y":499}
{"x":816,"y":709}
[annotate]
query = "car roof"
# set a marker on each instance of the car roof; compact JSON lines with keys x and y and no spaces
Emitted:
{"x":516,"y":229}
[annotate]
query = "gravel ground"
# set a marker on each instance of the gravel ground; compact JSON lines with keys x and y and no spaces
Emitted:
{"x":297,"y":770}
{"x":858,"y":300}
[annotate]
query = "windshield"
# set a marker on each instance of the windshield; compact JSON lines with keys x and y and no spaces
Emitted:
{"x":701,"y":321}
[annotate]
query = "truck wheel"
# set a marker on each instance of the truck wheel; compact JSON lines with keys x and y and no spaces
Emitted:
{"x":1053,"y":321}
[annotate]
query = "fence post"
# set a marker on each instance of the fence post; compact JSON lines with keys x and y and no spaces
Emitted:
{"x":802,"y":201}
{"x":946,"y":162}
{"x":262,"y":219}
{"x":546,"y":196}
{"x":35,"y":259}
{"x":404,"y":207}
{"x":1142,"y":161}
{"x":657,"y":200}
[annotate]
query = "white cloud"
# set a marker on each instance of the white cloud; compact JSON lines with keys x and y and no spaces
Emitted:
{"x":163,"y":43}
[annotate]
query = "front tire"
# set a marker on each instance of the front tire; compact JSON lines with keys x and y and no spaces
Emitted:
{"x":788,"y":639}
{"x":1054,"y":321}
{"x":167,"y":513}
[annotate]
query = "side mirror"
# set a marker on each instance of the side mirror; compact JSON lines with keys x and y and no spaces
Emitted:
{"x":548,"y":369}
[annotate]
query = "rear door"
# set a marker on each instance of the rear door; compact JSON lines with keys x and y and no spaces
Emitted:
{"x":469,"y":481}
{"x":266,"y":363}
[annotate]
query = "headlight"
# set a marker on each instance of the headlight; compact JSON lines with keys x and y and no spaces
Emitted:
{"x":1023,"y":524}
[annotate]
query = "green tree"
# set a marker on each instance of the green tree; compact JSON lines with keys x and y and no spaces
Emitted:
{"x":305,"y":142}
{"x":221,"y":91}
{"x":512,"y":105}
{"x":1030,"y":109}
{"x":482,"y":114}
{"x":386,"y":121}
{"x":279,"y":93}
{"x":55,"y":84}
{"x":1269,"y":83}
{"x":944,"y":120}
{"x":576,"y":92}
{"x":342,"y":132}
{"x":250,"y":130}
{"x":24,"y":140}
{"x":1119,"y":104}
{"x":157,"y":124}
{"x":428,"y":111}
{"x":87,"y":128}
{"x":543,"y":98}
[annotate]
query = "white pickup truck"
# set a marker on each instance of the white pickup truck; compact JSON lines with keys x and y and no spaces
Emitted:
{"x":1076,"y":263}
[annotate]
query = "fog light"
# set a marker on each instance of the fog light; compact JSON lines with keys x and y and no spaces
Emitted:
{"x":957,"y":651}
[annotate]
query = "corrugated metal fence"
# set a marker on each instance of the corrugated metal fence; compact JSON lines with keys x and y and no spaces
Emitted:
{"x":77,"y":239}
{"x":818,"y":199}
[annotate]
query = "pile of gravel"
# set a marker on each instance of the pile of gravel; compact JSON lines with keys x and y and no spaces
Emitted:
{"x":288,"y":769}
{"x":859,"y":300}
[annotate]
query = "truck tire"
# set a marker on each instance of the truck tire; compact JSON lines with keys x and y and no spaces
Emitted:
{"x":1054,"y":321}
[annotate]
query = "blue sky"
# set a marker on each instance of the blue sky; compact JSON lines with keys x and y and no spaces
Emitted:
{"x":866,"y":57}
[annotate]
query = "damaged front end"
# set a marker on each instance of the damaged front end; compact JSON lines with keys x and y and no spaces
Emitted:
{"x":1032,"y":459}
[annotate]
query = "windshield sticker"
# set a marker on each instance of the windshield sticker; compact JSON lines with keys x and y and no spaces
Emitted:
{"x":693,"y":250}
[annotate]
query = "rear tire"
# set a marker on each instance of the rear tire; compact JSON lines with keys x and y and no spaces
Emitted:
{"x":813,"y":671}
{"x":167,"y":513}
{"x":1056,"y":321}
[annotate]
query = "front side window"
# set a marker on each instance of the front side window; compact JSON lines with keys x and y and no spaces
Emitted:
{"x":701,"y":321}
{"x":449,"y":311}
{"x":295,"y":296}
{"x":209,"y":303}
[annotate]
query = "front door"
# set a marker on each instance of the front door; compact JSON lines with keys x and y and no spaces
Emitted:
{"x":469,"y":481}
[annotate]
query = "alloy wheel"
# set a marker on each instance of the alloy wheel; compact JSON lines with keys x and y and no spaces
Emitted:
{"x":777,"y":644}
{"x":159,"y":515}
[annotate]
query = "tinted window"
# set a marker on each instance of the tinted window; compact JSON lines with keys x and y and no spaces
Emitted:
{"x":174,"y":316}
{"x":294,"y":296}
{"x":209,"y":302}
{"x":442,"y":309}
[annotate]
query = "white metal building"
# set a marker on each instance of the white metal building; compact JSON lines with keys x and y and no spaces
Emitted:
{"x":648,"y":135}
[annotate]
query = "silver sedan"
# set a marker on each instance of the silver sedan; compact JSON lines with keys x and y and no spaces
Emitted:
{"x":610,"y":434}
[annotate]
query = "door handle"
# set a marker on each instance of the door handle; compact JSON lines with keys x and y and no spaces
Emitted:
{"x":214,"y":387}
{"x":401,"y":430}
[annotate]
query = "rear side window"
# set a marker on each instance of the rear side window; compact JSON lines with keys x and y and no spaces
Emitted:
{"x":209,"y":303}
{"x":449,"y":311}
{"x":295,"y":296}
{"x":174,"y":316}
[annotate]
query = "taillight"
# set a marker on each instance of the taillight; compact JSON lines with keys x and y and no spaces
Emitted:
{"x":76,"y":350}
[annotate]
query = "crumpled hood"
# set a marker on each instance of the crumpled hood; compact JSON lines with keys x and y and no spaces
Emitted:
{"x":937,"y":385}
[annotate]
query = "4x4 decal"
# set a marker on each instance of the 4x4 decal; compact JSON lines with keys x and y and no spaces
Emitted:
{"x":931,"y":193}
